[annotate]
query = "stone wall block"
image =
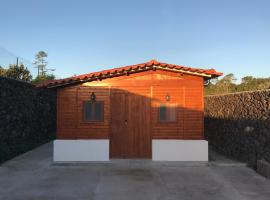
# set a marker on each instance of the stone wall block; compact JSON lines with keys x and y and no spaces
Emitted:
{"x":27,"y":117}
{"x":238,"y":125}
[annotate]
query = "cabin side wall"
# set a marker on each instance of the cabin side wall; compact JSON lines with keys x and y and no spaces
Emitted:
{"x":186,"y":93}
{"x":70,"y":122}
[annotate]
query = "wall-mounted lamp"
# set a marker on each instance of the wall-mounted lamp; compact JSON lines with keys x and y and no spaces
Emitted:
{"x":167,"y":97}
{"x":93,"y":97}
{"x":206,"y":82}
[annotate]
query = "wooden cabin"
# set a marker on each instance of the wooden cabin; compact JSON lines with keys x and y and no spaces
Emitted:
{"x":151,"y":110}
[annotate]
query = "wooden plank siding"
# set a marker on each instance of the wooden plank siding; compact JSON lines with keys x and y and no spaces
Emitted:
{"x":70,"y":113}
{"x":130,"y":125}
{"x":186,"y":92}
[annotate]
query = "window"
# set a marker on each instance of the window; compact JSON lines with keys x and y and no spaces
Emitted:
{"x":167,"y":113}
{"x":93,"y":111}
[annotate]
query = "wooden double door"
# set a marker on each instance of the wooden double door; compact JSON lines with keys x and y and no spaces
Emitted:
{"x":130,"y":125}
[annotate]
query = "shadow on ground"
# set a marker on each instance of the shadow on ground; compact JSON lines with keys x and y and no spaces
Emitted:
{"x":34,"y":176}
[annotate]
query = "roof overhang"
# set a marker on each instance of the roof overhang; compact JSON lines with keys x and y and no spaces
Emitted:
{"x":127,"y":70}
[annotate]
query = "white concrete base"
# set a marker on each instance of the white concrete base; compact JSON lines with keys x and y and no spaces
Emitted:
{"x":81,"y":150}
{"x":179,"y":150}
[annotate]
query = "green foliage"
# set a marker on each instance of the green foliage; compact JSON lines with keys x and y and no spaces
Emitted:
{"x":16,"y":72}
{"x":2,"y":71}
{"x":251,"y":83}
{"x":227,"y":85}
{"x":41,"y":55}
{"x":42,"y":78}
{"x":22,"y":73}
{"x":41,"y":63}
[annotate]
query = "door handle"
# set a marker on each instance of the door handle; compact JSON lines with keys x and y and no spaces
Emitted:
{"x":125,"y":122}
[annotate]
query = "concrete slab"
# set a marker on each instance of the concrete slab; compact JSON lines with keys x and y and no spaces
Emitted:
{"x":34,"y":176}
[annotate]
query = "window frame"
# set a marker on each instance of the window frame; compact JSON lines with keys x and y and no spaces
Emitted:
{"x":93,"y":114}
{"x":167,"y":106}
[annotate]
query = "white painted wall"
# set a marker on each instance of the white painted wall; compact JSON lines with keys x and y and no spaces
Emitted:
{"x":179,"y":150}
{"x":81,"y":150}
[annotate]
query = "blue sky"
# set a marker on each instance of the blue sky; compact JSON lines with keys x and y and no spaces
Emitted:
{"x":85,"y":36}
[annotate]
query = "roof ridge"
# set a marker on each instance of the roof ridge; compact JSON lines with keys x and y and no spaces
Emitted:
{"x":92,"y":76}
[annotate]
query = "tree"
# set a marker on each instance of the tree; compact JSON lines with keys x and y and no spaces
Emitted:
{"x":228,"y":79}
{"x":46,"y":77}
{"x":16,"y":72}
{"x":41,"y":63}
{"x":247,"y":79}
{"x":2,"y":71}
{"x":247,"y":83}
{"x":227,"y":85}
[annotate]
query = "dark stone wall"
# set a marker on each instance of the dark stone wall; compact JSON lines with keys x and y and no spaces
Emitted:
{"x":27,"y":117}
{"x":238,"y":125}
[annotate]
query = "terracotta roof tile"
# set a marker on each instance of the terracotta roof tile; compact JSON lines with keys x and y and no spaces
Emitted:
{"x":152,"y":64}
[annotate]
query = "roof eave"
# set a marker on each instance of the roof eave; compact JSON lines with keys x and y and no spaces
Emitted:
{"x":151,"y":65}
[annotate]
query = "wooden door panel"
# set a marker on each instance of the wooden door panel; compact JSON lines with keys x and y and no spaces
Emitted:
{"x":118,"y":127}
{"x":131,"y":139}
{"x":139,"y":126}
